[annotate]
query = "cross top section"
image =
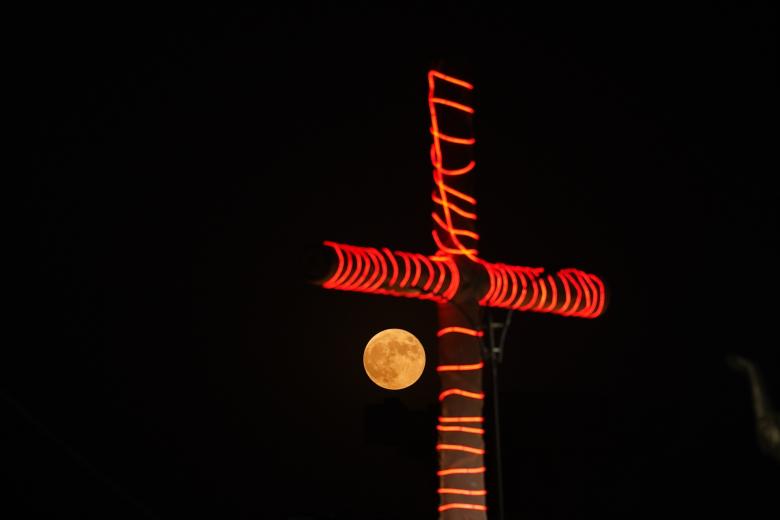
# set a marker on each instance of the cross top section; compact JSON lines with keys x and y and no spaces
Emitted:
{"x":456,"y":271}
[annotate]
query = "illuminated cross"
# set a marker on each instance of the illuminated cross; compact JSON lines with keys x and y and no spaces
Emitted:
{"x":459,"y":281}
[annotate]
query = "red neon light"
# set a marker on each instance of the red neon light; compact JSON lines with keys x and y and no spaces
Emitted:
{"x":407,"y":268}
{"x":459,"y":171}
{"x":453,"y":139}
{"x":462,"y":393}
{"x":461,"y":419}
{"x":457,"y":491}
{"x":451,"y":368}
{"x":459,"y":330}
{"x":453,"y":104}
{"x":461,"y":232}
{"x":371,"y":270}
{"x":447,"y":220}
{"x":460,"y":447}
{"x":391,"y":256}
{"x":554,"y":297}
{"x":457,"y":209}
{"x":526,"y":289}
{"x":461,"y":429}
{"x":417,"y":270}
{"x":473,"y":507}
{"x":429,"y":266}
{"x":447,"y":260}
{"x":450,"y":79}
{"x":460,"y":471}
{"x":440,"y":278}
{"x":459,"y":194}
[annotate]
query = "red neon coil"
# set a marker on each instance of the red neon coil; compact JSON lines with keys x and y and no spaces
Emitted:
{"x":591,"y":292}
{"x":449,"y":293}
{"x":391,"y":256}
{"x":446,"y":220}
{"x":567,"y":295}
{"x":601,"y":291}
{"x":453,"y":104}
{"x":459,"y":171}
{"x":351,"y":283}
{"x":459,"y":330}
{"x":566,"y":276}
{"x":458,"y":368}
{"x":370,"y":270}
{"x":450,"y":79}
{"x":449,"y":250}
{"x":585,"y":285}
{"x":372,"y":254}
{"x":504,"y":286}
{"x":455,"y":279}
{"x":536,"y":292}
{"x":473,"y":507}
{"x":381,"y":258}
{"x":460,"y":471}
{"x":458,"y":491}
{"x":460,"y":447}
{"x":454,"y":207}
{"x":429,"y":266}
{"x":461,"y":429}
{"x":461,"y":419}
{"x":554,"y":299}
{"x":513,"y":274}
{"x":543,"y":293}
{"x":417,"y":270}
{"x":527,"y":289}
{"x":462,"y":393}
{"x":440,"y":280}
{"x":453,"y":139}
{"x":459,"y":194}
{"x":344,"y":265}
{"x":407,"y":267}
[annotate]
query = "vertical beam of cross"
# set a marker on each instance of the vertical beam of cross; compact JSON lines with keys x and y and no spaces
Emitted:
{"x":460,"y":282}
{"x":460,"y":432}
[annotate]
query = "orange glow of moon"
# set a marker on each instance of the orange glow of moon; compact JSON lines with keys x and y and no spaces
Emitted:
{"x":394,"y":359}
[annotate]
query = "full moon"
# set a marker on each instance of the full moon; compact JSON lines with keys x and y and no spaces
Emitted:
{"x":394,"y":359}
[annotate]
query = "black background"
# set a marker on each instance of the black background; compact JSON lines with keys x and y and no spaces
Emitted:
{"x":170,"y":360}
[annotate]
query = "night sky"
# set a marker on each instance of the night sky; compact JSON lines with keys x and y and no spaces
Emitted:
{"x":171,"y":360}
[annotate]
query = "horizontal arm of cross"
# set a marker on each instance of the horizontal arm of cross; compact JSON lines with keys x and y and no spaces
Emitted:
{"x":442,"y":278}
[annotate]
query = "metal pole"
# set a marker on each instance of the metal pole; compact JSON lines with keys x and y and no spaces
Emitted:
{"x":496,"y":422}
{"x":496,"y":355}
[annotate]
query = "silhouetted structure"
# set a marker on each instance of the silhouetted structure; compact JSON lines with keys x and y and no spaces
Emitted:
{"x":767,"y":418}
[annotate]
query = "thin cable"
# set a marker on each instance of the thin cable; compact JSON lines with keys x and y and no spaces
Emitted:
{"x":494,"y":360}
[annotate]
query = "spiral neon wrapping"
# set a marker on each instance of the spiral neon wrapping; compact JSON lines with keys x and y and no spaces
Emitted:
{"x":570,"y":292}
{"x":455,"y":215}
{"x":396,"y":273}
